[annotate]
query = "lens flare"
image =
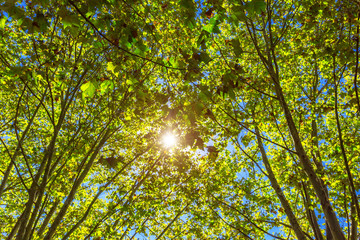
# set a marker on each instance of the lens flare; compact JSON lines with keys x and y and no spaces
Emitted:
{"x":169,"y":140}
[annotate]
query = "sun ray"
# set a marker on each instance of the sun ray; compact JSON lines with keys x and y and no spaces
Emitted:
{"x":169,"y":140}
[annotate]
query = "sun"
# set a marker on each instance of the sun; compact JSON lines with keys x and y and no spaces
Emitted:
{"x":169,"y":140}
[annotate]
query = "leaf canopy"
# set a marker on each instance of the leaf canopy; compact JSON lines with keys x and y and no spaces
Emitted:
{"x":262,"y":97}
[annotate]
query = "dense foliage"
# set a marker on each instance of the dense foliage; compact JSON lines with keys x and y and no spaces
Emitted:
{"x":261,"y":95}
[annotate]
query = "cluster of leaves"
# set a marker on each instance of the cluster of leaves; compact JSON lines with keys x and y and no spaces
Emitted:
{"x":262,"y":96}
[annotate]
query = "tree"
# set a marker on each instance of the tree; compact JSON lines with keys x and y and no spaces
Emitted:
{"x":262,"y":96}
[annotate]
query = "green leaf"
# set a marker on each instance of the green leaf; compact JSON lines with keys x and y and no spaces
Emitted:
{"x":212,"y":27}
{"x":3,"y":22}
{"x":204,"y":57}
{"x":231,"y":94}
{"x":27,"y":24}
{"x":259,"y":6}
{"x":236,"y":47}
{"x":129,"y":81}
{"x":186,"y":3}
{"x":70,"y":20}
{"x":111,"y":67}
{"x":88,"y":89}
{"x":173,"y":62}
{"x":246,"y":140}
{"x":111,"y":162}
{"x":106,"y":86}
{"x":141,"y":46}
{"x":41,"y":22}
{"x":255,"y":6}
{"x":202,"y":39}
{"x":238,"y":12}
{"x":14,"y":12}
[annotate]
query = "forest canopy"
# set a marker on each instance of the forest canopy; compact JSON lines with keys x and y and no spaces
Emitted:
{"x":164,"y":119}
